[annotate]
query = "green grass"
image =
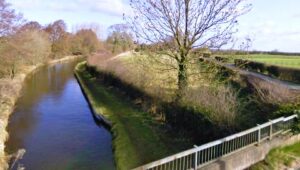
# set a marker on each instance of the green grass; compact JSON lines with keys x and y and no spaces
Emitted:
{"x":279,"y":60}
{"x":279,"y":158}
{"x":292,"y":149}
{"x":136,"y":137}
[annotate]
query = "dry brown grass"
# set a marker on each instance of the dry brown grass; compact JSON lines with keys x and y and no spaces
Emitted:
{"x":9,"y":92}
{"x":221,"y":103}
{"x":140,"y":71}
{"x":160,"y":79}
{"x":271,"y":92}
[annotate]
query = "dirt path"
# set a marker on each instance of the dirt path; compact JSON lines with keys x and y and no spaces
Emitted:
{"x":124,"y":54}
{"x":289,"y":85}
{"x":270,"y":89}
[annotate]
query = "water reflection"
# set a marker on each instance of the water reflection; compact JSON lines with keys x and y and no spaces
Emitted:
{"x":54,"y":124}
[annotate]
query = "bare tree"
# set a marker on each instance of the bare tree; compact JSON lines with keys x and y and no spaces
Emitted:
{"x":95,"y":27}
{"x":183,"y":25}
{"x":119,"y":38}
{"x":30,"y":26}
{"x":56,"y":30}
{"x":85,"y":42}
{"x":9,"y":19}
{"x":59,"y":38}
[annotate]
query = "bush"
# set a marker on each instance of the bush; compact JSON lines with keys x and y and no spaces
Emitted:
{"x":222,"y":59}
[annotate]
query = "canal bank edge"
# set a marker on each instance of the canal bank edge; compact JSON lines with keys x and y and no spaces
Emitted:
{"x":98,"y":116}
{"x":135,"y":140}
{"x":87,"y":92}
{"x":7,"y":108}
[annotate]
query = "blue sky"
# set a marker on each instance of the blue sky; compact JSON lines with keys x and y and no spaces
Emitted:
{"x":272,"y":24}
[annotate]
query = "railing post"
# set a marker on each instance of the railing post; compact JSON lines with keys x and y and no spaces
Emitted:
{"x":196,"y":158}
{"x":271,"y":129}
{"x":259,"y":134}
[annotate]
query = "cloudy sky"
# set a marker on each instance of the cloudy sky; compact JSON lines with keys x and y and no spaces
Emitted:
{"x":272,"y":24}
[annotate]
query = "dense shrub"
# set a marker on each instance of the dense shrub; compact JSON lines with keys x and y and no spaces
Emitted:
{"x":282,"y":73}
{"x":222,"y":59}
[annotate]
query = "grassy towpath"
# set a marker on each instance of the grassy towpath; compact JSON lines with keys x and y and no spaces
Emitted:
{"x":136,"y":137}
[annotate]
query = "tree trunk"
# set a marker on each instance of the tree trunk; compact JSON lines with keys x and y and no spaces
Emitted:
{"x":182,"y":79}
{"x":12,"y":73}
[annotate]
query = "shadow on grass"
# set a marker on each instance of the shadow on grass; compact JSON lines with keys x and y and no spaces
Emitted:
{"x":137,"y":137}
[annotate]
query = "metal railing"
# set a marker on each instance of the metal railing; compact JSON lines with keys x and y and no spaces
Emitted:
{"x":202,"y":155}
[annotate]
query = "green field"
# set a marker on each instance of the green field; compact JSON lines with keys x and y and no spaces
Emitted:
{"x":279,"y":60}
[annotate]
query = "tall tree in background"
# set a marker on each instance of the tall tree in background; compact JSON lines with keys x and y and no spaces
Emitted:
{"x":183,"y":25}
{"x":119,"y":38}
{"x":9,"y":22}
{"x":85,"y":42}
{"x":56,"y":30}
{"x":95,"y":27}
{"x":31,"y":25}
{"x":9,"y":19}
{"x":59,"y":38}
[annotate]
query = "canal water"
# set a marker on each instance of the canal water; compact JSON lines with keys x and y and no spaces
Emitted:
{"x":54,"y":124}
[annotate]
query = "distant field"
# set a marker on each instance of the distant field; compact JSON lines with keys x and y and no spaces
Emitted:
{"x":280,"y":60}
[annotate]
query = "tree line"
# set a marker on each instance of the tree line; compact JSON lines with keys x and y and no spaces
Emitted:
{"x":24,"y":43}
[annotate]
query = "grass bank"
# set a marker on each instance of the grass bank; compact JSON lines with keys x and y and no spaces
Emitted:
{"x":287,"y":157}
{"x":137,"y":137}
{"x":10,"y":90}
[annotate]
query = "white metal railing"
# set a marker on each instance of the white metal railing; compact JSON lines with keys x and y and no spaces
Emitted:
{"x":202,"y":155}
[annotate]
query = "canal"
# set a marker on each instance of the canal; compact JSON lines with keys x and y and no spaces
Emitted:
{"x":54,"y":124}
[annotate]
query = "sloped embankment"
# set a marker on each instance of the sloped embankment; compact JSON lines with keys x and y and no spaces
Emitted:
{"x":136,"y":136}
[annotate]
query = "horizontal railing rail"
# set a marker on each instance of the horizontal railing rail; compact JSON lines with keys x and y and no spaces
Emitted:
{"x":200,"y":156}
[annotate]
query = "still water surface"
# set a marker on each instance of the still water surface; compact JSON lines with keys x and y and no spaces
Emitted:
{"x":54,"y":123}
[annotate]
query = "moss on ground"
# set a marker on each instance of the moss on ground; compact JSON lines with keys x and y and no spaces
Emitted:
{"x":136,"y":138}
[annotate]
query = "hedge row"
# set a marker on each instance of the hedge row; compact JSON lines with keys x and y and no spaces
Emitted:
{"x":182,"y":118}
{"x":282,"y":73}
{"x":222,"y":59}
{"x":239,"y":52}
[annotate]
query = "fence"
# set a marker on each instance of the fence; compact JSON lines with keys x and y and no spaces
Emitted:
{"x":202,"y":155}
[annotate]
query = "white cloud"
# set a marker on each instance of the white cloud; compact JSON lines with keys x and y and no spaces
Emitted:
{"x":111,"y":7}
{"x":296,"y":16}
{"x":107,"y":7}
{"x":270,"y":34}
